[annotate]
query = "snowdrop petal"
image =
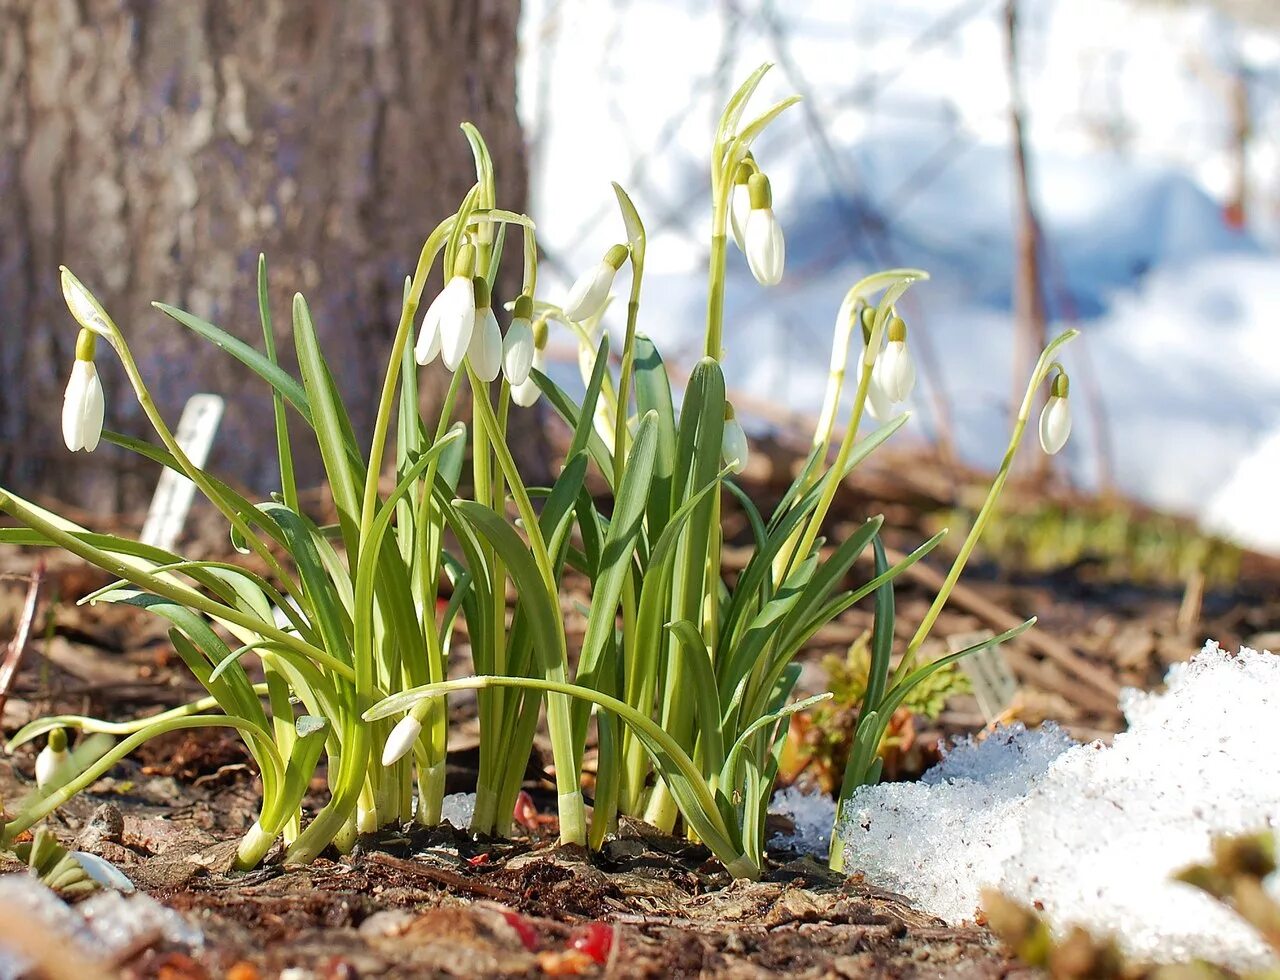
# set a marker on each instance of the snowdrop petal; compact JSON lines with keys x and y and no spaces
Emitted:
{"x":83,"y":407}
{"x":401,"y":740}
{"x":485,"y":350}
{"x":588,"y":295}
{"x":517,"y":351}
{"x":1055,"y":424}
{"x":527,"y":392}
{"x":427,"y":349}
{"x":739,"y":211}
{"x":896,"y":371}
{"x":765,"y":248}
{"x":733,"y":446}
{"x":457,"y":320}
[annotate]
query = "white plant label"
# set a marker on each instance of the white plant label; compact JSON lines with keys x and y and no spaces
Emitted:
{"x":994,"y":684}
{"x":174,"y":493}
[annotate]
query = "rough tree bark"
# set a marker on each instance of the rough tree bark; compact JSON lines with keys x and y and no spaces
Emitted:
{"x":156,"y":148}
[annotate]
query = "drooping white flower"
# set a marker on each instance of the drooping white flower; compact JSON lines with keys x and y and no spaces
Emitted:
{"x":527,"y":392}
{"x":52,"y":760}
{"x":427,"y":349}
{"x":1055,"y":419}
{"x":83,"y":405}
{"x":733,"y":442}
{"x":457,"y":320}
{"x":878,"y":405}
{"x":81,"y":306}
{"x":401,"y":739}
{"x":895,"y":369}
{"x":587,"y":296}
{"x":517,"y":345}
{"x":764,"y":245}
{"x":740,"y":205}
{"x":485,"y":350}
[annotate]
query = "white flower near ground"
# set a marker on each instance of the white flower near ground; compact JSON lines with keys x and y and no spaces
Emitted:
{"x":83,"y":408}
{"x":401,"y":739}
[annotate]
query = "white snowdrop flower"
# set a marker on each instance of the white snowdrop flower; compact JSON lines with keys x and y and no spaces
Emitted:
{"x":52,"y":760}
{"x":527,"y":392}
{"x":587,"y":296}
{"x":485,"y":350}
{"x":733,"y":443}
{"x":740,"y":204}
{"x":401,"y":739}
{"x":451,"y":317}
{"x":878,"y":405}
{"x":764,"y":246}
{"x":81,"y":305}
{"x":1055,"y":419}
{"x":894,"y":368}
{"x":83,"y":405}
{"x":517,"y":345}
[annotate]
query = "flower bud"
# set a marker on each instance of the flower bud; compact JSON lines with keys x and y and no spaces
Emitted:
{"x":733,"y":442}
{"x":764,"y":245}
{"x":82,"y":306}
{"x":52,"y":760}
{"x":83,"y":405}
{"x":1055,"y":419}
{"x":401,"y":739}
{"x":588,"y":295}
{"x":517,"y":345}
{"x":895,"y":369}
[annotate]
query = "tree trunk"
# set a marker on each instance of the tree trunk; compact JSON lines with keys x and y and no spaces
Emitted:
{"x":157,"y":148}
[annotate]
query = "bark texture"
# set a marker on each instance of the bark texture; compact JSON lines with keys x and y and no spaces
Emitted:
{"x":157,"y":148}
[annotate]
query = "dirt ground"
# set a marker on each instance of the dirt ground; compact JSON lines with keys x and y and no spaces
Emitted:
{"x":436,"y":902}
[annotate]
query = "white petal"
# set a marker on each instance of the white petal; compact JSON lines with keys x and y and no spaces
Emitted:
{"x":527,"y":393}
{"x":765,"y":248}
{"x":733,"y":446}
{"x":401,"y":740}
{"x":103,"y":872}
{"x":1055,"y":424}
{"x":48,"y":762}
{"x":457,"y":320}
{"x":739,"y":210}
{"x":895,"y":371}
{"x":94,"y":411}
{"x":878,"y":405}
{"x":427,"y":349}
{"x":485,"y":350}
{"x":73,"y":404}
{"x":517,"y":351}
{"x":588,"y":295}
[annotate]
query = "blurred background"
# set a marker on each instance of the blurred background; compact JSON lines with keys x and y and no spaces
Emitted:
{"x":1107,"y":164}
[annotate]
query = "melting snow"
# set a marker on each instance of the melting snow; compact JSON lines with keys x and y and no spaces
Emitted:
{"x":1092,"y":832}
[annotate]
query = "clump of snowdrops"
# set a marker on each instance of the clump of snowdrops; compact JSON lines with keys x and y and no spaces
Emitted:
{"x":690,"y":681}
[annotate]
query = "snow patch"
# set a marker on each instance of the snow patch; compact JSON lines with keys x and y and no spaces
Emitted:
{"x":1091,"y":832}
{"x":811,"y":812}
{"x":457,"y":809}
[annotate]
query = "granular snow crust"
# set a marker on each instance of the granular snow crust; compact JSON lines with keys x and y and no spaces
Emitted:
{"x":1093,"y":833}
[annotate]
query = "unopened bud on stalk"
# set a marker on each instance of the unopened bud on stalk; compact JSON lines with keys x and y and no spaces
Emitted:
{"x":527,"y":392}
{"x":733,"y":442}
{"x":401,"y":739}
{"x":740,"y":202}
{"x":451,"y":317}
{"x":1055,"y":419}
{"x":517,"y":345}
{"x":765,"y":248}
{"x":485,"y":350}
{"x":83,"y":405}
{"x":895,"y":370}
{"x":52,"y":760}
{"x":588,"y":295}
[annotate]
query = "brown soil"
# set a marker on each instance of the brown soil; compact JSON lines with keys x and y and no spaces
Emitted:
{"x":438,"y":903}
